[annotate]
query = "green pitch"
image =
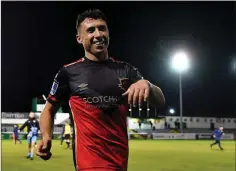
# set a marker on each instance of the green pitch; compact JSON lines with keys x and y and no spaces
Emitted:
{"x":145,"y":155}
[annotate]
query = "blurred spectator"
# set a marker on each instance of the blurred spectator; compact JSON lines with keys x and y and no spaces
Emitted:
{"x":184,"y":125}
{"x":139,"y":124}
{"x":62,"y":134}
{"x":212,"y":126}
{"x":177,"y":124}
{"x":166,"y":125}
{"x":153,"y":128}
{"x":151,"y":124}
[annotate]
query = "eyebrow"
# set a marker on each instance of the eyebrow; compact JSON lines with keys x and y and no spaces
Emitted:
{"x":100,"y":25}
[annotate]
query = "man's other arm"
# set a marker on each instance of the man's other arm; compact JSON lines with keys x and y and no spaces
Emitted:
{"x":156,"y":97}
{"x":23,"y":126}
{"x":46,"y":120}
{"x":214,"y":133}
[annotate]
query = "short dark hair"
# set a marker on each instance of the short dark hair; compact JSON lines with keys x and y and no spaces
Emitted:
{"x":91,"y":13}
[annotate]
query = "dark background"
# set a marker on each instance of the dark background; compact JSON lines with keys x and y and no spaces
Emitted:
{"x":38,"y":38}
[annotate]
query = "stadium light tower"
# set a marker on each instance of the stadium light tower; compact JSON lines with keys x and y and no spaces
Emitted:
{"x":180,"y":63}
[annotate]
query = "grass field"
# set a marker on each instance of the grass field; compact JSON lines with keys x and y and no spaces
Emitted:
{"x":145,"y":155}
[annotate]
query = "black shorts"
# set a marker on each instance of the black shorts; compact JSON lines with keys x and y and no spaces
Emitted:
{"x":217,"y":141}
{"x":67,"y":136}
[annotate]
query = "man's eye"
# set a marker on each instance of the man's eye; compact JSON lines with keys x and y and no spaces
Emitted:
{"x":102,"y":28}
{"x":91,"y":30}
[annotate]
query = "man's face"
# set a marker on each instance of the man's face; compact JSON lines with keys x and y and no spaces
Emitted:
{"x":93,"y":34}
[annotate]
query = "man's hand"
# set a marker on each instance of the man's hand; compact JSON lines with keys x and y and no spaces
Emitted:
{"x":29,"y":136}
{"x":43,"y":148}
{"x":138,"y":92}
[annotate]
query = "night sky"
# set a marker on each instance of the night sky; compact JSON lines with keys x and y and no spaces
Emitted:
{"x":38,"y":38}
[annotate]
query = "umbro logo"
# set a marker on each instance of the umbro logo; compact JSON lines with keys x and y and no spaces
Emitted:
{"x":83,"y":86}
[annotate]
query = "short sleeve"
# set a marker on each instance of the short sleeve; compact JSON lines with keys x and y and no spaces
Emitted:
{"x":59,"y":93}
{"x":133,"y":74}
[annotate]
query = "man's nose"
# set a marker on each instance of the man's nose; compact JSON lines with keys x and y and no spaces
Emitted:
{"x":97,"y":33}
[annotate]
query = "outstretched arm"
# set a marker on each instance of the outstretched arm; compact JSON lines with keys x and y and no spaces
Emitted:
{"x":23,"y":126}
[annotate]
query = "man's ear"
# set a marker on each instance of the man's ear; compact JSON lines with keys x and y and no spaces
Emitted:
{"x":79,"y":39}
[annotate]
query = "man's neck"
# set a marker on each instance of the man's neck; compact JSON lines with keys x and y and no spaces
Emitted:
{"x":100,"y":57}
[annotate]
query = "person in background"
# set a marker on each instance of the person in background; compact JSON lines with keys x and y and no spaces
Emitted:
{"x":32,"y":125}
{"x":151,"y":124}
{"x":67,"y":134}
{"x":139,"y":124}
{"x":217,"y":134}
{"x":166,"y":125}
{"x":62,"y":134}
{"x":15,"y":134}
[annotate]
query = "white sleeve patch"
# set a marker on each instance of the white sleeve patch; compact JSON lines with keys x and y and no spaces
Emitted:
{"x":54,"y":88}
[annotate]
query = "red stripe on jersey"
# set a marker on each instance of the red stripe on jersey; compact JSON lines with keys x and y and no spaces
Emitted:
{"x":114,"y":60}
{"x":52,"y":98}
{"x":101,"y":139}
{"x":80,"y":60}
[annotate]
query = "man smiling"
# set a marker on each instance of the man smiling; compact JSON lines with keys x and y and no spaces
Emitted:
{"x":98,"y":89}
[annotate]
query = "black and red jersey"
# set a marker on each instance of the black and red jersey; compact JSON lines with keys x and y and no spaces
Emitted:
{"x":94,"y":91}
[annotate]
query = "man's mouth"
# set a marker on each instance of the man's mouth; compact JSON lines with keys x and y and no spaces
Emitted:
{"x":100,"y":43}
